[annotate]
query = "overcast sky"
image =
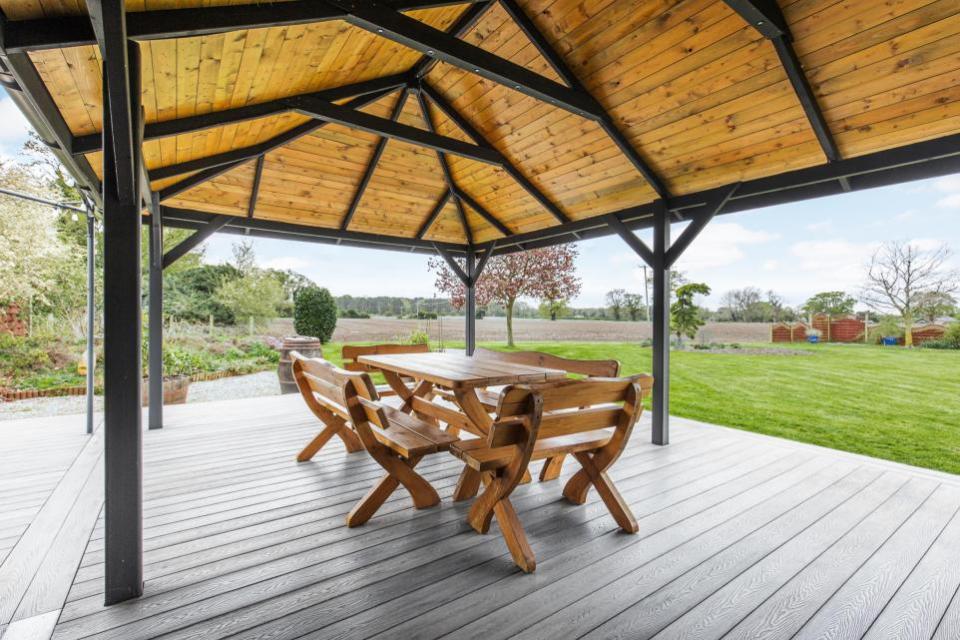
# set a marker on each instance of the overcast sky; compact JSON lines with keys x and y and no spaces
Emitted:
{"x":796,"y":250}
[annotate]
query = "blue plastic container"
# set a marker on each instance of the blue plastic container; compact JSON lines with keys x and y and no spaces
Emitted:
{"x":813,"y":339}
{"x":890,"y":342}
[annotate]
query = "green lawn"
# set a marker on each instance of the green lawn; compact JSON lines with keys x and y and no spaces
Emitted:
{"x":892,"y":403}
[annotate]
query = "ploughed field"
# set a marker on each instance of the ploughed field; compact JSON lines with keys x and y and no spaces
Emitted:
{"x":495,"y":329}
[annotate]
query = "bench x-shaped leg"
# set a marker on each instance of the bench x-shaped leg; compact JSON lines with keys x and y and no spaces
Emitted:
{"x":399,"y":471}
{"x":495,"y":501}
{"x":594,"y":473}
{"x":335,"y":426}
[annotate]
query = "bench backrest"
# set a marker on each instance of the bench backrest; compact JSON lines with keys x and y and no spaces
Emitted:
{"x":351,"y":352}
{"x":567,"y":407}
{"x":348,"y":394}
{"x":591,"y":368}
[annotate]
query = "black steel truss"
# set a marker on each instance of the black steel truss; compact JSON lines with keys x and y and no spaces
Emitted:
{"x":331,"y":112}
{"x":239,"y":225}
{"x":917,"y":161}
{"x":436,"y":43}
{"x":447,"y":174}
{"x":193,"y":241}
{"x":235,"y":156}
{"x":464,"y":125}
{"x":192,"y":124}
{"x":372,"y":165}
{"x":767,"y":18}
{"x":434,"y":214}
{"x":72,"y":31}
{"x":255,"y":189}
{"x":601,"y":115}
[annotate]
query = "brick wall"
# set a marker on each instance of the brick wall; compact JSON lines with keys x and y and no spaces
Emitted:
{"x":10,"y":321}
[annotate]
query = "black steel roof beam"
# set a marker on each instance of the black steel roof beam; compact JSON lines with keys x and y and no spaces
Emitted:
{"x":35,"y":102}
{"x":767,"y":18}
{"x":606,"y":122}
{"x":434,"y":214}
{"x":255,"y":189}
{"x":639,"y":246}
{"x":480,"y":266}
{"x":200,"y":177}
{"x":252,"y":151}
{"x":480,"y":209}
{"x":331,"y":112}
{"x":455,"y":267}
{"x":191,"y":124}
{"x":445,"y":167}
{"x":457,"y":118}
{"x":191,"y":242}
{"x":372,"y":165}
{"x":467,"y":20}
{"x":763,"y":15}
{"x":189,"y":219}
{"x":72,"y":31}
{"x":698,"y":223}
{"x":109,"y":28}
{"x":389,"y":23}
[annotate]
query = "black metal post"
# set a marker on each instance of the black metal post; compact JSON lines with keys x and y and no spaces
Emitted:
{"x":91,"y":316}
{"x":661,"y":324}
{"x":155,"y":313}
{"x":471,"y":306}
{"x":123,"y":531}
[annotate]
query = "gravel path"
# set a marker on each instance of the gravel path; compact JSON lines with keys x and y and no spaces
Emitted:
{"x":254,"y":385}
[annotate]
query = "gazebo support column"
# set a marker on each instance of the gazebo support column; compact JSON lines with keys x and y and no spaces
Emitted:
{"x":121,"y":318}
{"x":469,"y":275}
{"x":661,"y":325}
{"x":470,"y":308}
{"x":155,"y":313}
{"x":661,"y":259}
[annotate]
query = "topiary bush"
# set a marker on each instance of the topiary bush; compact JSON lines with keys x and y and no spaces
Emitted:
{"x":315,"y":313}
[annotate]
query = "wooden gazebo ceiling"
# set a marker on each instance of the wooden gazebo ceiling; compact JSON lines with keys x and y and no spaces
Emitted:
{"x":701,"y":97}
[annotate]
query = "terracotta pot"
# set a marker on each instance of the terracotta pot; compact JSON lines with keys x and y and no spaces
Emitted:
{"x":307,"y":346}
{"x":175,"y":390}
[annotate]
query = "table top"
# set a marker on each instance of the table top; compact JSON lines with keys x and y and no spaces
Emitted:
{"x":456,"y":371}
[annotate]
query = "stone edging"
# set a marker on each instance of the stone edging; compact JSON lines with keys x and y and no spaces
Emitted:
{"x":11,"y":395}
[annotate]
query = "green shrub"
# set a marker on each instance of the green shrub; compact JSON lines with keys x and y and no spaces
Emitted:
{"x":315,"y":313}
{"x":952,"y":334}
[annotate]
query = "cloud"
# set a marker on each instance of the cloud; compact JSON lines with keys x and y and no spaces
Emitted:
{"x":948,"y":184}
{"x":949,"y":202}
{"x":770,"y":265}
{"x":834,"y":263}
{"x":721,"y":245}
{"x":905,"y":216}
{"x":13,"y":127}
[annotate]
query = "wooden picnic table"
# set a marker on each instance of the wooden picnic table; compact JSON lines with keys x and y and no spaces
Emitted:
{"x":462,"y":376}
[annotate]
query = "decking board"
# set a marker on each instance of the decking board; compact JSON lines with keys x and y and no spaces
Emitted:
{"x":741,"y":536}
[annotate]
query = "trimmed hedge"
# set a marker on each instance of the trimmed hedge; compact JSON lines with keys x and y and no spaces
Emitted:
{"x":315,"y":313}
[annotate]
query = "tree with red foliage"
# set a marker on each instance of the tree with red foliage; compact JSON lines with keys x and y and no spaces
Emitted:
{"x":545,"y":274}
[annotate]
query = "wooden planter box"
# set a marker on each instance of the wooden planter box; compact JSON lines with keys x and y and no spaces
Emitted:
{"x":175,"y":390}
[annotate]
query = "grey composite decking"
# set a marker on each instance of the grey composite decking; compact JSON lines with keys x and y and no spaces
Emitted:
{"x":741,"y":536}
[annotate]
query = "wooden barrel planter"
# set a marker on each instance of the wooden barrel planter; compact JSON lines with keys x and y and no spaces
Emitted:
{"x":175,"y":390}
{"x":306,"y":345}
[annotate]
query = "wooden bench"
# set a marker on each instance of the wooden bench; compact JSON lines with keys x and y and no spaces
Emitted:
{"x":351,"y":352}
{"x":396,"y":440}
{"x":589,"y":419}
{"x":309,"y":376}
{"x":591,"y":368}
